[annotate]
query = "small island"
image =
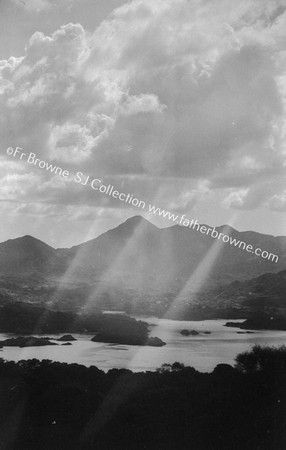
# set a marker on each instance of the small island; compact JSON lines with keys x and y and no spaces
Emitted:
{"x":67,"y":338}
{"x":29,"y":341}
{"x":260,"y":323}
{"x":155,"y":342}
{"x":127,"y":339}
{"x":25,"y":319}
{"x":189,"y":333}
{"x":193,"y":332}
{"x":245,"y":332}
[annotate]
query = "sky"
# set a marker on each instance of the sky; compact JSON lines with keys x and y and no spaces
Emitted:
{"x":180,"y":103}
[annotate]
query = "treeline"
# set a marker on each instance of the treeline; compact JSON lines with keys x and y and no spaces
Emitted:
{"x":52,"y":406}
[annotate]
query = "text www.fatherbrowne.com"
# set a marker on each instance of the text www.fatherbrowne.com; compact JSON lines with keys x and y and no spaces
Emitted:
{"x":211,"y":231}
{"x":97,"y":185}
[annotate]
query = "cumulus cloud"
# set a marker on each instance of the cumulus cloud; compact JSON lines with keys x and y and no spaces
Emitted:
{"x":71,"y":142}
{"x":192,"y":91}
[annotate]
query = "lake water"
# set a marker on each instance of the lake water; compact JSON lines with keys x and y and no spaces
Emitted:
{"x":203,"y":352}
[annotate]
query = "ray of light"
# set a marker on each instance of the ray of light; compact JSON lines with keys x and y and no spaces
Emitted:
{"x":113,"y":269}
{"x":64,"y":279}
{"x":192,"y":287}
{"x":139,"y":230}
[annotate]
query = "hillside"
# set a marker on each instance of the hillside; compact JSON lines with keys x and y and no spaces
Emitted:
{"x":142,"y":269}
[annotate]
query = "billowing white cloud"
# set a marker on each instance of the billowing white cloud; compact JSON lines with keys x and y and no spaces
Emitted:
{"x":191,"y":91}
{"x":72,"y":142}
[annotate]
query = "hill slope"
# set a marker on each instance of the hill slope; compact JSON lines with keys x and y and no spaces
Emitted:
{"x":135,"y":264}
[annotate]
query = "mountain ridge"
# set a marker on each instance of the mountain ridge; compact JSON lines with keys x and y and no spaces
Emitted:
{"x":138,"y":219}
{"x":134,"y":265}
{"x":136,"y":248}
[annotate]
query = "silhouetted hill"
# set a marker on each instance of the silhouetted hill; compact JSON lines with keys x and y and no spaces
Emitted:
{"x":130,"y":249}
{"x":139,"y":254}
{"x":28,"y":255}
{"x":136,"y":267}
{"x":266,"y":294}
{"x":146,"y":254}
{"x":273,"y":284}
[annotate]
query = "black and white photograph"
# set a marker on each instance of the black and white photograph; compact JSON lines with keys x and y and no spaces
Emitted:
{"x":142,"y":224}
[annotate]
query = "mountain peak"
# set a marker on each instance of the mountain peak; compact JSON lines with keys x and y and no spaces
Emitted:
{"x":26,"y":242}
{"x":28,"y":237}
{"x":135,"y":221}
{"x":124,"y":229}
{"x":27,"y":255}
{"x":31,"y":240}
{"x":127,"y":228}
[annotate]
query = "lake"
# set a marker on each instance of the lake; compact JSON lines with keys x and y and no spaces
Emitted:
{"x":203,"y":352}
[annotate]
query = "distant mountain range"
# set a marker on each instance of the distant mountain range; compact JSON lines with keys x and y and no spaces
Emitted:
{"x":135,"y":266}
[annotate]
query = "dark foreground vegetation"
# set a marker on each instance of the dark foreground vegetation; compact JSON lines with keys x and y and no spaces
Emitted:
{"x":48,"y":405}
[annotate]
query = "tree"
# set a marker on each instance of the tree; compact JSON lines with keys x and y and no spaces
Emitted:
{"x":262,"y":359}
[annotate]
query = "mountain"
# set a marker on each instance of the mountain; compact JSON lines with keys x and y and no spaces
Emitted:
{"x":266,"y":293}
{"x":135,"y":266}
{"x":141,"y":253}
{"x":130,"y":243}
{"x":28,"y":256}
